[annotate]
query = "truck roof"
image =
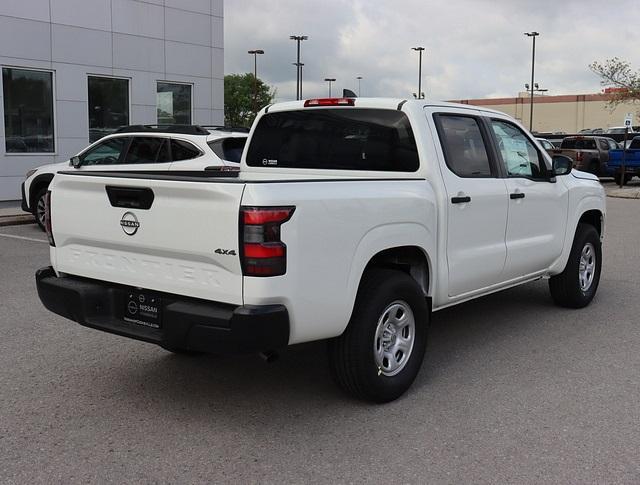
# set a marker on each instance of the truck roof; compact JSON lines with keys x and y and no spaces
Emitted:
{"x":383,"y":103}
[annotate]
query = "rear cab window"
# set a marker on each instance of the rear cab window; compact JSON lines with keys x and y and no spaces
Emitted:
{"x":335,"y":138}
{"x":578,"y":144}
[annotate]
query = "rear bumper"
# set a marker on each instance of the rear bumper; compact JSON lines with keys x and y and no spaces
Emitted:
{"x":25,"y":206}
{"x":187,"y":323}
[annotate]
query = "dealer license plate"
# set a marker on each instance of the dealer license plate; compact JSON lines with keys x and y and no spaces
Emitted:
{"x":143,"y":308}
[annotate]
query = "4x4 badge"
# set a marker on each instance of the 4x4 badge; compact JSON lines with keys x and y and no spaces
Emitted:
{"x":129,"y":223}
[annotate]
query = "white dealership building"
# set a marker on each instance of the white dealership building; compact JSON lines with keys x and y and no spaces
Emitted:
{"x":75,"y":70}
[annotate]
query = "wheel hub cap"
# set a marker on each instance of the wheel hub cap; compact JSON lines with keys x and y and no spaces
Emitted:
{"x":587,"y":268}
{"x":394,"y":338}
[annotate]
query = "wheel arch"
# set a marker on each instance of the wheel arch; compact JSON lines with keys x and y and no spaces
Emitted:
{"x":407,"y":247}
{"x":38,"y":183}
{"x":411,"y":260}
{"x":595,"y":218}
{"x":592,"y":212}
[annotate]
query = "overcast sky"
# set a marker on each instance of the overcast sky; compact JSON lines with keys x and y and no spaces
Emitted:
{"x":474,"y":48}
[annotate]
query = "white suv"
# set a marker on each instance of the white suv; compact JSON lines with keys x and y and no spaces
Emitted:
{"x":143,"y":147}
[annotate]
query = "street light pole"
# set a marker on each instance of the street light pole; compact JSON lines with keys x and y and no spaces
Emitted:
{"x":533,"y":66}
{"x":299,"y":66}
{"x":298,"y":39}
{"x":255,"y":53}
{"x":359,"y":78}
{"x":330,"y":80}
{"x":419,"y":49}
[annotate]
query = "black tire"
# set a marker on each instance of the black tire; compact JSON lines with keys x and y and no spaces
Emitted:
{"x":352,"y":358}
{"x":566,"y":289}
{"x":37,"y":206}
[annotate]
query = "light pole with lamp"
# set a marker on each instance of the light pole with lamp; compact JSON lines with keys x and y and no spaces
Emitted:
{"x":255,"y":53}
{"x":359,"y":78}
{"x":420,"y":93}
{"x":298,"y":39}
{"x":330,"y":80}
{"x":300,"y":66}
{"x":533,"y":66}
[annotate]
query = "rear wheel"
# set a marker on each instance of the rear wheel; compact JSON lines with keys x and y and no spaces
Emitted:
{"x":576,"y":286}
{"x":380,"y":353}
{"x":39,"y":206}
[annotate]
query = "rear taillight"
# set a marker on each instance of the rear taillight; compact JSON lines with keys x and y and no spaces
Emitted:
{"x":578,"y":156}
{"x":263,"y":252}
{"x":47,"y":218}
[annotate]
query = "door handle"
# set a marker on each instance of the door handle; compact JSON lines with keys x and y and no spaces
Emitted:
{"x":130,"y":197}
{"x":516,"y":195}
{"x":460,"y":200}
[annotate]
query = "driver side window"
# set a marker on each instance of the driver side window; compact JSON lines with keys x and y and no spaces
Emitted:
{"x":519,"y":154}
{"x":109,"y":152}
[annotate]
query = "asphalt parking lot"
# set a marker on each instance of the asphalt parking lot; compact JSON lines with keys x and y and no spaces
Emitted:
{"x":513,"y":389}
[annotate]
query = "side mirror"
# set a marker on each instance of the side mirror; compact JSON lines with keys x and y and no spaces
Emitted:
{"x":75,"y":162}
{"x":562,"y":165}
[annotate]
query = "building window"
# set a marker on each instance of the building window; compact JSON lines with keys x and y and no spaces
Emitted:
{"x":108,"y":105}
{"x":28,"y":110}
{"x":173,"y":103}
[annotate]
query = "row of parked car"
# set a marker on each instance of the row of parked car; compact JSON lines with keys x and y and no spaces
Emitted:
{"x":599,"y":155}
{"x":143,"y":147}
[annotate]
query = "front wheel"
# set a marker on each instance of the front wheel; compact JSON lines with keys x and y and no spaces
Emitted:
{"x":576,"y":286}
{"x":380,"y":353}
{"x":39,"y":207}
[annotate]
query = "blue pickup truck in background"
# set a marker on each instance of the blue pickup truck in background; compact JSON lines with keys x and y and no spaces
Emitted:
{"x":631,"y":164}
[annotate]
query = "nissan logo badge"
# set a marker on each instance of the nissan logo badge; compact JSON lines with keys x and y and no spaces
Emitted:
{"x":129,"y":223}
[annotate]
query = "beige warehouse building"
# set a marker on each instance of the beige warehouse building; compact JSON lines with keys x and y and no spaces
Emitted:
{"x":566,"y":113}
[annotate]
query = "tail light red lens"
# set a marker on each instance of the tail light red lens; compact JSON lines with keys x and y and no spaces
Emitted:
{"x":578,"y":156}
{"x":263,"y":252}
{"x":47,"y":218}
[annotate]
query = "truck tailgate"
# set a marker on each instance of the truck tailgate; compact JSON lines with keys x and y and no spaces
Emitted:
{"x":169,"y":246}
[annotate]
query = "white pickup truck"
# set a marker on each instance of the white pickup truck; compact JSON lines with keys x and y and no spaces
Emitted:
{"x":350,"y":220}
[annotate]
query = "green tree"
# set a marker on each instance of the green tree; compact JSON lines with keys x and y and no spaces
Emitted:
{"x":238,"y":98}
{"x":616,"y":73}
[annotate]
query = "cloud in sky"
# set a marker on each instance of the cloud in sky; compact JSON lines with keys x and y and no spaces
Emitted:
{"x":474,"y":48}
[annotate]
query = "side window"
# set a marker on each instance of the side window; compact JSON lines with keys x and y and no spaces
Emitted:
{"x":612,"y":145}
{"x":603,"y":145}
{"x":464,"y":148}
{"x":147,"y":150}
{"x":519,"y":154}
{"x":183,"y":150}
{"x":108,"y":152}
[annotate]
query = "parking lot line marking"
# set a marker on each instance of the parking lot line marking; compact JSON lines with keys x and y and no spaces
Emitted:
{"x":25,"y":238}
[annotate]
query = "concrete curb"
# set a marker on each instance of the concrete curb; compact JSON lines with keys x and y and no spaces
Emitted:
{"x":624,"y":193}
